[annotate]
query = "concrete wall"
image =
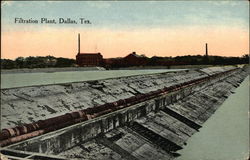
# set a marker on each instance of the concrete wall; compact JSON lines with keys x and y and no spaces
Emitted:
{"x":58,"y":141}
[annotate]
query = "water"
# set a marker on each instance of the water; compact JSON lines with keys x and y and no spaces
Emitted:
{"x":28,"y":79}
{"x":225,"y":136}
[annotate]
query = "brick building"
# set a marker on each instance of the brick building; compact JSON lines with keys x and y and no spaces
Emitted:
{"x":88,"y":59}
{"x":134,"y":59}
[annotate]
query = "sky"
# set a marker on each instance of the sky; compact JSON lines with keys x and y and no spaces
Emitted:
{"x":117,"y":28}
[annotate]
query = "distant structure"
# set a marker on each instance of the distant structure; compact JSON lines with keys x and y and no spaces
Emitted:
{"x":206,"y":59}
{"x":88,"y":59}
{"x":79,"y":44}
{"x":206,"y":50}
{"x":134,"y":59}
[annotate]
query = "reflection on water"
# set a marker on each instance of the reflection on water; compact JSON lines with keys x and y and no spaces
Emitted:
{"x":27,"y":79}
{"x":225,"y":136}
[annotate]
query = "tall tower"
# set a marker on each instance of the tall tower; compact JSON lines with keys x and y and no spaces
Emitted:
{"x":206,"y":50}
{"x":79,"y":43}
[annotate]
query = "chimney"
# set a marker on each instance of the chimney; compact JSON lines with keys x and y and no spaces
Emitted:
{"x":79,"y":43}
{"x":206,"y":50}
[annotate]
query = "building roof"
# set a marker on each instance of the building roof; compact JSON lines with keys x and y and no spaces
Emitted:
{"x":90,"y":53}
{"x":137,"y":55}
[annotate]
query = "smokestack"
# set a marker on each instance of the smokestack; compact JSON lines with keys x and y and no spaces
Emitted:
{"x":206,"y":50}
{"x":79,"y":43}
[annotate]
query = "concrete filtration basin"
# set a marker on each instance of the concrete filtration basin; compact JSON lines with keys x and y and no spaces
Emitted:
{"x":137,"y":117}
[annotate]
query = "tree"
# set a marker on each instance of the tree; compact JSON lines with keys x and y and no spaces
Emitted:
{"x":7,"y":64}
{"x":19,"y":62}
{"x":65,"y":62}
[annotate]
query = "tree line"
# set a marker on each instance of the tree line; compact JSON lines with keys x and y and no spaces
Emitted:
{"x":199,"y":60}
{"x":181,"y":60}
{"x":50,"y":61}
{"x":37,"y":62}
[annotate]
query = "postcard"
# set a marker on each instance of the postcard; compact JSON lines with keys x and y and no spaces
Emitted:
{"x":125,"y":80}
